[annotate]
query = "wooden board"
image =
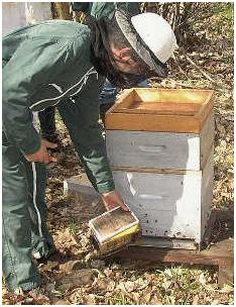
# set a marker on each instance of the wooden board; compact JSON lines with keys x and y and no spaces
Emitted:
{"x":160,"y":110}
{"x":207,"y":137}
{"x":162,"y":99}
{"x":161,"y":150}
{"x":220,"y":253}
{"x":167,"y":243}
{"x":185,"y":96}
{"x":207,"y":192}
{"x":79,"y":184}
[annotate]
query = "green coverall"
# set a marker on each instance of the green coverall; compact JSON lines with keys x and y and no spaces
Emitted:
{"x":43,"y":65}
{"x":106,"y":9}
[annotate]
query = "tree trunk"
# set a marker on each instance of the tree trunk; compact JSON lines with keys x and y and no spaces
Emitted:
{"x":61,"y":10}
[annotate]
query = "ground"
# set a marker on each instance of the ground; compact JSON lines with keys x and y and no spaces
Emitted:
{"x":74,"y":276}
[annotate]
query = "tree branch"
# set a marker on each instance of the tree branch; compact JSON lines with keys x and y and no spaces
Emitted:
{"x":198,"y":68}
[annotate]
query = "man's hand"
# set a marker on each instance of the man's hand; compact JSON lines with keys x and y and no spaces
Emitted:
{"x":112,"y":200}
{"x":42,"y":154}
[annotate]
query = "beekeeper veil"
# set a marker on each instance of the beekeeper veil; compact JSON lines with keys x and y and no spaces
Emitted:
{"x":149,"y":37}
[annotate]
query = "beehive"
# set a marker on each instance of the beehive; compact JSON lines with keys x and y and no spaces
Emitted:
{"x":160,"y":146}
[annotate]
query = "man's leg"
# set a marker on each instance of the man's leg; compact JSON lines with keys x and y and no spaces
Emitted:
{"x":143,"y":84}
{"x":18,"y":267}
{"x":48,"y":125}
{"x":42,"y":241}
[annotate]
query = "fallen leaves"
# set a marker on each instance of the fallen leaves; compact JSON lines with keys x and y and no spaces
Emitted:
{"x":111,"y":286}
{"x":83,"y":278}
{"x":129,"y":286}
{"x":69,"y":266}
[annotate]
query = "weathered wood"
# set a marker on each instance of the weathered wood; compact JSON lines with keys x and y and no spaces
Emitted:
{"x":220,"y":253}
{"x":80,"y":184}
{"x":166,"y":243}
{"x":165,"y":123}
{"x":220,"y":227}
{"x":207,"y":137}
{"x":207,"y":191}
{"x":161,"y":110}
{"x":226,"y":273}
{"x":175,"y":256}
{"x":153,"y":170}
{"x":207,"y":232}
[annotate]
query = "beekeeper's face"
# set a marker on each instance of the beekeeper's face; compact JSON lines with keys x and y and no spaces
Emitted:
{"x":126,"y":64}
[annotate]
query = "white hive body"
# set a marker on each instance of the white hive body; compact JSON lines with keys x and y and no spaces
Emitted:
{"x":162,"y":159}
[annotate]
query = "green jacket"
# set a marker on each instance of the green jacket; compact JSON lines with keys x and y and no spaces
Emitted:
{"x":105,"y":9}
{"x":49,"y":64}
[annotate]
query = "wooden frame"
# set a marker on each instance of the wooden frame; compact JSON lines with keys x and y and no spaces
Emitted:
{"x":171,"y":110}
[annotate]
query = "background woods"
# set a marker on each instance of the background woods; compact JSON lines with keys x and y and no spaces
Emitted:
{"x":203,"y":60}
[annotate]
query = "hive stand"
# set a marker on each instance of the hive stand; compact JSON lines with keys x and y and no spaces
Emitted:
{"x":217,"y":249}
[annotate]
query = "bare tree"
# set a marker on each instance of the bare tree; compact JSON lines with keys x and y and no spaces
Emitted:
{"x":61,"y":10}
{"x":183,"y":17}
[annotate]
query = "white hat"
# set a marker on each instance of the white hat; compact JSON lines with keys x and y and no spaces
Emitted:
{"x":150,"y":36}
{"x":156,"y":33}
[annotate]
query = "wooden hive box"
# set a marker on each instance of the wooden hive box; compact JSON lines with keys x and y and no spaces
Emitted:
{"x":114,"y":229}
{"x":160,"y":146}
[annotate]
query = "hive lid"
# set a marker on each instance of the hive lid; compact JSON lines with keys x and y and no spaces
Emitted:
{"x":177,"y":110}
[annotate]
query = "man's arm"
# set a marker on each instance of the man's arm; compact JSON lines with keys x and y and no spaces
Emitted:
{"x":31,"y":66}
{"x":81,"y":119}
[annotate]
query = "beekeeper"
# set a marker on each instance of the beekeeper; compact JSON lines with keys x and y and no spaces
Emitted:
{"x":64,"y":63}
{"x":108,"y":94}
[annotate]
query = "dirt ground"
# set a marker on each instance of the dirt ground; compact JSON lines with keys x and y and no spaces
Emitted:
{"x":74,"y":276}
